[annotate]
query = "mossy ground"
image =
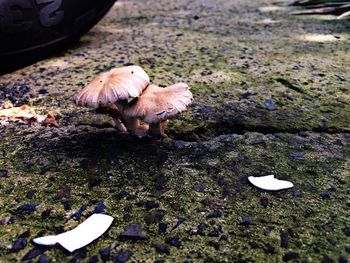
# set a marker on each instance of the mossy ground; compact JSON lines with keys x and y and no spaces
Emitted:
{"x":268,"y":99}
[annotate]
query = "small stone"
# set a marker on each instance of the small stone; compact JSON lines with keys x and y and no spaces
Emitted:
{"x":151,"y":204}
{"x":198,"y":187}
{"x":347,"y":249}
{"x":4,"y":173}
{"x":214,"y":233}
{"x":78,"y":257}
{"x":297,"y":193}
{"x":284,"y":239}
{"x":173,"y":241}
{"x":346,"y":231}
{"x":132,"y":231}
{"x":43,"y":91}
{"x":201,"y":229}
{"x":46,"y":213}
{"x":179,"y":221}
{"x":93,"y":259}
{"x":217,"y":213}
{"x":105,"y":253}
{"x":342,"y":259}
{"x":7,"y":220}
{"x":325,"y":195}
{"x":162,"y":249}
{"x":162,"y":227}
{"x":100,"y":208}
{"x":270,"y":105}
{"x":223,"y":238}
{"x":327,"y":259}
{"x":67,"y":204}
{"x":247,"y":221}
{"x":19,"y":244}
{"x":290,"y":256}
{"x":264,"y":201}
{"x":154,"y":217}
{"x":28,"y":207}
{"x":30,"y":194}
{"x":297,"y":155}
{"x":78,"y":213}
{"x":122,"y":256}
{"x":43,"y":259}
{"x":32,"y":254}
{"x":221,"y":181}
{"x":268,"y":248}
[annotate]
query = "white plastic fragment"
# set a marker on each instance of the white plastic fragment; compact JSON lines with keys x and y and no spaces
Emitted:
{"x":83,"y":234}
{"x":269,"y":183}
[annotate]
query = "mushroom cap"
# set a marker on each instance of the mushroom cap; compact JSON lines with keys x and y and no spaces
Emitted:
{"x":114,"y":85}
{"x":158,"y":104}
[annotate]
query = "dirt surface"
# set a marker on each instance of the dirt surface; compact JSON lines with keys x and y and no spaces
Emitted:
{"x":271,"y":96}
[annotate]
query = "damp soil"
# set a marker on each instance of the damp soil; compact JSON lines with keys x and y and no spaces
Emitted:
{"x":268,"y":99}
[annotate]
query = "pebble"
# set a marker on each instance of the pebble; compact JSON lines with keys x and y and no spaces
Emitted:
{"x":268,"y":248}
{"x":198,"y":187}
{"x":93,"y":259}
{"x":247,"y":221}
{"x":216,"y":214}
{"x":162,"y":249}
{"x":214,"y":233}
{"x":4,"y":173}
{"x":290,"y":256}
{"x":179,"y":221}
{"x":28,"y":207}
{"x":43,"y":259}
{"x":78,"y":213}
{"x":173,"y":241}
{"x":270,"y":105}
{"x":19,"y":244}
{"x":201,"y":229}
{"x":132,"y":231}
{"x":105,"y":253}
{"x":100,"y":208}
{"x":78,"y":257}
{"x":346,"y":231}
{"x":30,"y":194}
{"x":162,"y":228}
{"x":32,"y":254}
{"x":122,"y":256}
{"x":284,"y":239}
{"x":325,"y":195}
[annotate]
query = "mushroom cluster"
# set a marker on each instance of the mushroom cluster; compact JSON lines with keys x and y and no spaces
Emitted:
{"x":130,"y":98}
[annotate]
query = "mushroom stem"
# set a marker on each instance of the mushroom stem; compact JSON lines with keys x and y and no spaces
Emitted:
{"x":157,"y":129}
{"x":117,"y":116}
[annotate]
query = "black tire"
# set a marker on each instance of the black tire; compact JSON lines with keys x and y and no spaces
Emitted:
{"x":33,"y":29}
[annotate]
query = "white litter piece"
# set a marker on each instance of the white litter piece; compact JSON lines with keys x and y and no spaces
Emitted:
{"x":269,"y":183}
{"x":83,"y":234}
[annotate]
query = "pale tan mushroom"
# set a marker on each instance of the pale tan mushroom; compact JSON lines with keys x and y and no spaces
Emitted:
{"x":156,"y":105}
{"x":111,"y":90}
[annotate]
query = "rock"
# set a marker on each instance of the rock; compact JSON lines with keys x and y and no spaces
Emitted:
{"x":284,"y":239}
{"x":30,"y":194}
{"x":270,"y":105}
{"x":105,"y":253}
{"x":214,"y":233}
{"x":201,"y":229}
{"x":43,"y":259}
{"x":154,"y":217}
{"x":162,"y":249}
{"x":32,"y":254}
{"x":216,"y":214}
{"x":179,"y":221}
{"x":162,"y":227}
{"x":78,"y":257}
{"x":246,"y":221}
{"x":122,"y":256}
{"x":151,"y":204}
{"x":290,"y":256}
{"x":7,"y":220}
{"x":93,"y":259}
{"x":19,"y":244}
{"x":173,"y":241}
{"x":268,"y":248}
{"x":78,"y":213}
{"x":4,"y":173}
{"x":132,"y":232}
{"x":325,"y":195}
{"x":198,"y":187}
{"x":100,"y":208}
{"x":28,"y":207}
